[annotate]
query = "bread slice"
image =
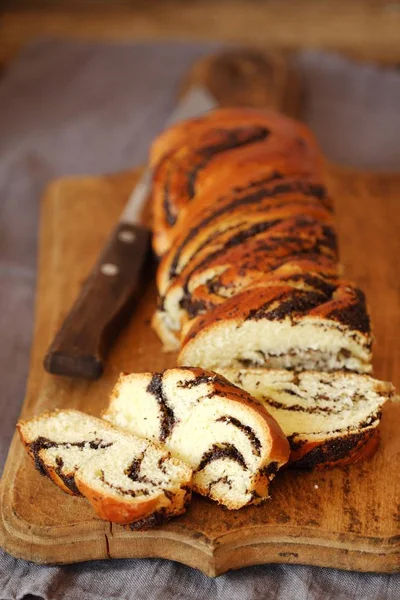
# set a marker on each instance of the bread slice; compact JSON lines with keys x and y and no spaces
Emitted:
{"x":127,"y":480}
{"x":300,"y":323}
{"x":231,"y":442}
{"x":329,"y":418}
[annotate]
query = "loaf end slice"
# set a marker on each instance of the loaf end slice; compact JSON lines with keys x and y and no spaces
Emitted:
{"x":125,"y":478}
{"x":230,"y":441}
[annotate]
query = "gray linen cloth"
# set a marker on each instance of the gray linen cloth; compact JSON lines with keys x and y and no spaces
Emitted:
{"x":75,"y":108}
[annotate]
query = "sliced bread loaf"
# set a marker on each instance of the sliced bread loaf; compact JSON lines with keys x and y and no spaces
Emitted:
{"x":329,"y":418}
{"x":230,"y":441}
{"x":126,"y":479}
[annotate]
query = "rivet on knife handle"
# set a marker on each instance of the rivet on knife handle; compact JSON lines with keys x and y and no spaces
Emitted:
{"x":100,"y":311}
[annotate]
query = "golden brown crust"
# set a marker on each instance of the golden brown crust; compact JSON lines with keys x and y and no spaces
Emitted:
{"x":339,"y":301}
{"x":260,"y":240}
{"x":128,"y":511}
{"x":189,"y":130}
{"x":236,"y":279}
{"x":258,"y":192}
{"x":118,"y":511}
{"x":336,"y":451}
{"x":190,"y":157}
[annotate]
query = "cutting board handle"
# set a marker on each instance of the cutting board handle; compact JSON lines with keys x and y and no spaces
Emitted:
{"x":103,"y":305}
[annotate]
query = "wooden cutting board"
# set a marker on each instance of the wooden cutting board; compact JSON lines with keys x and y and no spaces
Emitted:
{"x":347,"y":518}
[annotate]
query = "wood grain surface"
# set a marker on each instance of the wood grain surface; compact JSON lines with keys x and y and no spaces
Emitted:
{"x":347,"y":518}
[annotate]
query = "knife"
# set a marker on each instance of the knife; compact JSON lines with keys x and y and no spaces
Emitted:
{"x":116,"y":281}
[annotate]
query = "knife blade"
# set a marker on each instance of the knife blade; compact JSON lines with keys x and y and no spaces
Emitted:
{"x":116,"y":281}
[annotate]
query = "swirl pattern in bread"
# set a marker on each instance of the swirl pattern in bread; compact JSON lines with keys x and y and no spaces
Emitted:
{"x":299,"y":322}
{"x":126,"y":479}
{"x":230,"y":441}
{"x":330,"y":419}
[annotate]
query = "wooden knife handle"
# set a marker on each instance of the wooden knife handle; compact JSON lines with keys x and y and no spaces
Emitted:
{"x":103,"y":305}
